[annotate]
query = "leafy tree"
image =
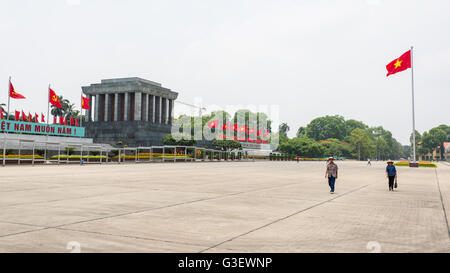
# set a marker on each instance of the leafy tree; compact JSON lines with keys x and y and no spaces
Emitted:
{"x":183,"y":140}
{"x":361,"y":144}
{"x":283,"y":129}
{"x":335,"y":147}
{"x":301,"y":132}
{"x":304,"y":146}
{"x":352,"y":124}
{"x":326,"y":127}
{"x":227,"y":145}
{"x":439,"y":136}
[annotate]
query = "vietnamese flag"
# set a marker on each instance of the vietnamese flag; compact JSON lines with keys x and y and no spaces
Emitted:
{"x":400,"y":64}
{"x":42,"y":118}
{"x":54,"y":120}
{"x":76,"y":122}
{"x":1,"y":113}
{"x":17,"y":116}
{"x":12,"y":92}
{"x":61,"y":120}
{"x":71,"y":121}
{"x":36,"y":117}
{"x":53,"y":98}
{"x":85,"y":103}
{"x":30,"y":118}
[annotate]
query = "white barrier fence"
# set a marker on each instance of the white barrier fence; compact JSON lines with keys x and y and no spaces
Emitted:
{"x":105,"y":153}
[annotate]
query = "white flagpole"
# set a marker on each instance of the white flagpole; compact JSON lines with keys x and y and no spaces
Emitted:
{"x":9,"y":96}
{"x":413,"y":114}
{"x":81,"y":112}
{"x":48,"y":104}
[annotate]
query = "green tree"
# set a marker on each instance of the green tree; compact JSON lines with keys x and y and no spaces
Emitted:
{"x":301,"y":132}
{"x":283,"y":129}
{"x":326,"y":127}
{"x":178,"y":140}
{"x":227,"y":145}
{"x":361,"y":144}
{"x":439,"y":136}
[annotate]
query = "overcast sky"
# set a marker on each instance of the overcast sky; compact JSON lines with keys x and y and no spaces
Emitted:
{"x":312,"y":58}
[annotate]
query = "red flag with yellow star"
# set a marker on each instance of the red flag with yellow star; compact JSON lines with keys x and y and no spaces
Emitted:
{"x":400,"y":64}
{"x":53,"y":98}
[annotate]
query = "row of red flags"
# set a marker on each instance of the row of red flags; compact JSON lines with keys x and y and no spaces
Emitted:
{"x":29,"y":118}
{"x":53,"y":98}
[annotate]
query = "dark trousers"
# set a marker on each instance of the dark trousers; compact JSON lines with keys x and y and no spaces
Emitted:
{"x":391,"y":182}
{"x":331,"y":181}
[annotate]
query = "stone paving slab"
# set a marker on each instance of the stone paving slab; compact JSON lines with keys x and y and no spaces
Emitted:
{"x":222,"y":207}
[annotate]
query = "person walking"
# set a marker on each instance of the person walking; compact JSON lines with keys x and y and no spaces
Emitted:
{"x":391,"y":174}
{"x":298,"y":159}
{"x":331,"y":173}
{"x":368,"y":162}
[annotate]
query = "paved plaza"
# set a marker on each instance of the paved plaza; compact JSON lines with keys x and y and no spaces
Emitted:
{"x":222,"y":207}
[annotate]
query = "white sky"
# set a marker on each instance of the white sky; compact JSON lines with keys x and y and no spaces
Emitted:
{"x":311,"y":58}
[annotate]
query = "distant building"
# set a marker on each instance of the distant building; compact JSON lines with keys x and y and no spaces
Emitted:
{"x":136,"y":111}
{"x":436,"y":154}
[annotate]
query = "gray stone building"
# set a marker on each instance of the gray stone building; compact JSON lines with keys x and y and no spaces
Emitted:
{"x":136,"y":111}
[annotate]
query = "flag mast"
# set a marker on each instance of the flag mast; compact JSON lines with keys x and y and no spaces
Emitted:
{"x":413,"y":113}
{"x":81,"y":112}
{"x":48,"y":104}
{"x":9,"y":96}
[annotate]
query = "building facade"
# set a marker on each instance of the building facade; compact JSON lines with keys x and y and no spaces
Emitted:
{"x":135,"y":111}
{"x":436,"y":155}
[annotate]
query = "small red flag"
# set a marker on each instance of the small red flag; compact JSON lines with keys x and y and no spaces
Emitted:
{"x":61,"y":120}
{"x":71,"y":121}
{"x":54,"y":120}
{"x":76,"y":122}
{"x":36,"y":117}
{"x":400,"y":64}
{"x":1,"y":113}
{"x":53,"y":98}
{"x":85,"y":103}
{"x":13,"y":94}
{"x":30,"y":118}
{"x":17,"y":116}
{"x":24,"y":117}
{"x":42,"y":118}
{"x":65,"y":121}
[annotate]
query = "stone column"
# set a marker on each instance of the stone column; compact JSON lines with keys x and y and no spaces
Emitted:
{"x":170,"y":111}
{"x":97,"y":108}
{"x":116,"y":107}
{"x":126,"y":115}
{"x":151,"y":109}
{"x":145,"y":105}
{"x":137,"y":105}
{"x":164,"y":109}
{"x":106,"y":108}
{"x":88,"y":117}
{"x":158,"y":109}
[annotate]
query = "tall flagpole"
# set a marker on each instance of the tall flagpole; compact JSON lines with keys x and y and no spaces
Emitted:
{"x":48,"y":104}
{"x":9,"y":96}
{"x":81,"y":113}
{"x":413,"y":114}
{"x":48,"y":119}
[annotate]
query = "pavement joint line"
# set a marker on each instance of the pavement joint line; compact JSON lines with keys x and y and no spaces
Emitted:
{"x":443,"y":205}
{"x":23,"y":232}
{"x":128,"y":236}
{"x":286,"y":217}
{"x":171,"y":205}
{"x":23,"y":224}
